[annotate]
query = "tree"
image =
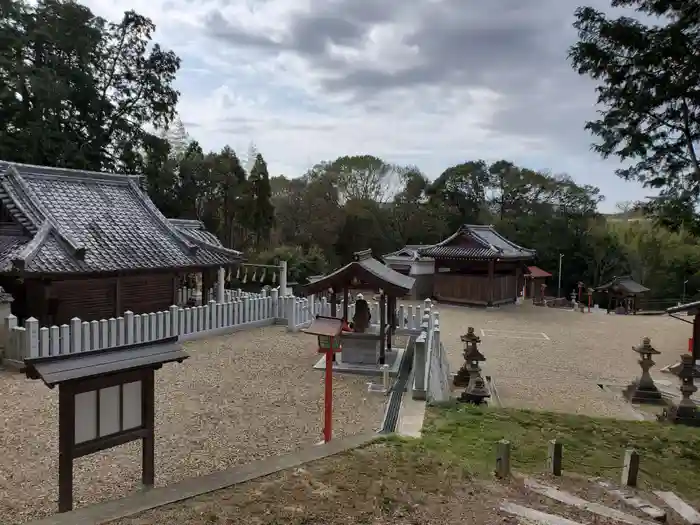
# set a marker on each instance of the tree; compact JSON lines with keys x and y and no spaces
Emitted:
{"x":262,"y":214}
{"x":362,"y":177}
{"x":648,"y":93}
{"x":78,"y":91}
{"x":461,"y":192}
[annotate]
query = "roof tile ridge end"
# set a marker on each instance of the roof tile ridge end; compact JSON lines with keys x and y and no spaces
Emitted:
{"x":77,"y":248}
{"x":212,"y":247}
{"x":148,"y":205}
{"x":29,"y":250}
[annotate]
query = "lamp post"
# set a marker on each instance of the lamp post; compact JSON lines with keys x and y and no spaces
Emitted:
{"x":561,"y":256}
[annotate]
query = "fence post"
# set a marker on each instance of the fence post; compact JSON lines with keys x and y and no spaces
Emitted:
{"x":630,"y":470}
{"x":503,"y":459}
{"x":419,"y":356}
{"x":174,"y":318}
{"x":275,"y":295}
{"x":31,"y":348}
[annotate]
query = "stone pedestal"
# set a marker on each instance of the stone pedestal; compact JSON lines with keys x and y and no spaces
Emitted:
{"x":361,"y":348}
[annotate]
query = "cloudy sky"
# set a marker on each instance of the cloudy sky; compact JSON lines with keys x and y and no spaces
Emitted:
{"x":424,"y":82}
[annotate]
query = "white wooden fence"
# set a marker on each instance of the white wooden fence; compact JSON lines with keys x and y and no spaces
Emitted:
{"x":239,"y":311}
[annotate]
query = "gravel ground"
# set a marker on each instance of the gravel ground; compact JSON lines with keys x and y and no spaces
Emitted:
{"x":236,"y":399}
{"x":562,"y":372}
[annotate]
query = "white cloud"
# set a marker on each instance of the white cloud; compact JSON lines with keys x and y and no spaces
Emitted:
{"x":234,"y":95}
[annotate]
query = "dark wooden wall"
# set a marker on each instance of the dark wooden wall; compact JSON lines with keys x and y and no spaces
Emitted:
{"x":57,"y":302}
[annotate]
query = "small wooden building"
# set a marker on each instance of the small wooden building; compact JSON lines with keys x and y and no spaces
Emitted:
{"x":93,"y":245}
{"x":622,"y":294}
{"x":478,"y":266}
{"x":409,"y":262}
{"x":535,"y":278}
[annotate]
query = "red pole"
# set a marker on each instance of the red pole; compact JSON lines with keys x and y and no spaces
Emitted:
{"x":690,"y":345}
{"x":328,"y":412}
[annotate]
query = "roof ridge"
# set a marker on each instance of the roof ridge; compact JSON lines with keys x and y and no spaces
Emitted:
{"x":76,"y":247}
{"x":148,"y":205}
{"x":74,"y":173}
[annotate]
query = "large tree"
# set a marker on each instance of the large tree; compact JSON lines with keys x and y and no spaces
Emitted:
{"x":78,"y":91}
{"x":648,"y":74}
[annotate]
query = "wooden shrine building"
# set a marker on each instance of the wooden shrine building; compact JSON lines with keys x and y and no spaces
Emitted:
{"x":365,"y":272}
{"x":622,"y":294}
{"x":477,"y":266}
{"x":93,"y":245}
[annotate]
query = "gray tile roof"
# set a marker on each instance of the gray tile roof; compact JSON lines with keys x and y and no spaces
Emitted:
{"x":84,"y":222}
{"x":485,"y":243}
{"x":624,"y":284}
{"x":367,"y":269}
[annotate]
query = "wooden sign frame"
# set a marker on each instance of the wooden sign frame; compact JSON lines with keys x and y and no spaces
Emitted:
{"x":105,"y":398}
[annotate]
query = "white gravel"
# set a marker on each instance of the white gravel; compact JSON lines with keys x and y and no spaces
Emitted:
{"x":238,"y":398}
{"x":562,"y":373}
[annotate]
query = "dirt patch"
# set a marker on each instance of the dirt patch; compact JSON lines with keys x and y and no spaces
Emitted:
{"x":380,"y":484}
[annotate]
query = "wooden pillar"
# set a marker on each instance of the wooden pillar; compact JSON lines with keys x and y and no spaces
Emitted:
{"x":118,"y":296}
{"x":696,"y":336}
{"x":382,"y":329}
{"x":518,"y":273}
{"x":334,"y":308}
{"x":176,"y":288}
{"x":345,"y":304}
{"x":207,"y":284}
{"x":492,"y":271}
{"x":148,"y":443}
{"x":392,"y":321}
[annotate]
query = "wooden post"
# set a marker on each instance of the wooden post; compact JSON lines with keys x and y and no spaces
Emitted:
{"x":492,"y":271}
{"x":334,"y":307}
{"x":346,"y":305}
{"x":555,"y":457}
{"x":630,"y":470}
{"x":66,"y":438}
{"x":148,"y":442}
{"x":382,"y":328}
{"x":503,"y":459}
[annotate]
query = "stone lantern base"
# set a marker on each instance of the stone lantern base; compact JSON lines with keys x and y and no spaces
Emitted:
{"x":648,"y":394}
{"x":681,"y":415}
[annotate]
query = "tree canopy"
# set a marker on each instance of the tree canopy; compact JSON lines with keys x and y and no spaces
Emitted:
{"x":82,"y":92}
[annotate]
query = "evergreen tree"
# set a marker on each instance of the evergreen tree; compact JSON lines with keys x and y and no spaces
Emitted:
{"x":263,"y":212}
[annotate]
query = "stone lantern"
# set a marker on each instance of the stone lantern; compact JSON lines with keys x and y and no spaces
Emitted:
{"x":470,"y":339}
{"x":643,"y":390}
{"x":476,"y":391}
{"x":685,"y":412}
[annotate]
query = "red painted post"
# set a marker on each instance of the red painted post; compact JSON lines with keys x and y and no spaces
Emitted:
{"x":690,"y":345}
{"x":328,"y":412}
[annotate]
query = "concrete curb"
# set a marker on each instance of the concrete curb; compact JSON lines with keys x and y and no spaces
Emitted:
{"x":189,"y":488}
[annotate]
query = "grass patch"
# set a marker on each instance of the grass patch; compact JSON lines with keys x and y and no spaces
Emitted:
{"x":465,"y":436}
{"x":446,"y":476}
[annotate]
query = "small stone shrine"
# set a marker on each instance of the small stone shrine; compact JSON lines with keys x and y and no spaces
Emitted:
{"x":685,"y":412}
{"x":643,"y":389}
{"x":476,"y":391}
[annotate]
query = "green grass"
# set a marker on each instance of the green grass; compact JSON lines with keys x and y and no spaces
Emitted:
{"x":464,"y":436}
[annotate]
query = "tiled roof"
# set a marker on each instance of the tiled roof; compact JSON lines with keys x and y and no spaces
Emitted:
{"x":625,"y":283}
{"x":486,"y":243}
{"x":368,"y":269}
{"x":85,"y":222}
{"x":536,"y":272}
{"x":410,"y":251}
